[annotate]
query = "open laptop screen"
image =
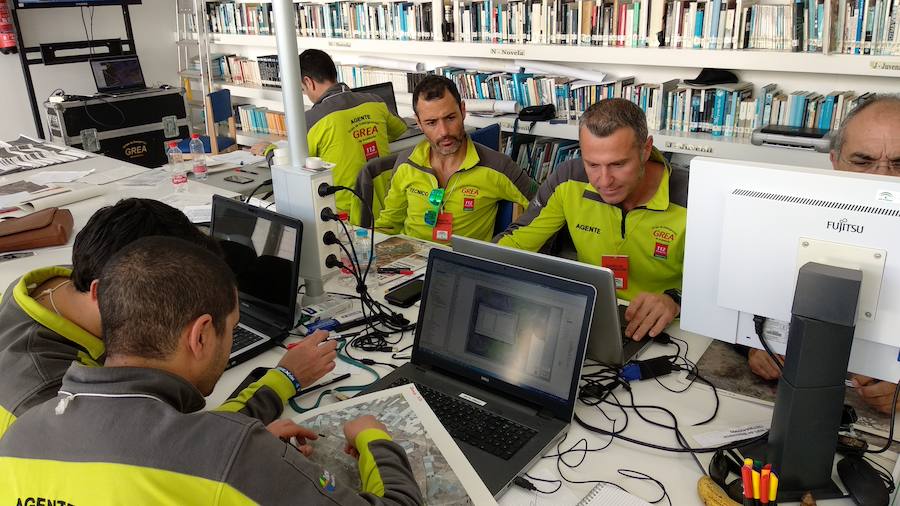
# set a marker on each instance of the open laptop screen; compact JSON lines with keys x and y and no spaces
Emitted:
{"x":383,"y":90}
{"x":118,"y":74}
{"x":263,"y":250}
{"x":497,"y":322}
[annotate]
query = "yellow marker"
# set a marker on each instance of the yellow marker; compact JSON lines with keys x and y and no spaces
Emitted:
{"x":756,"y":485}
{"x":748,"y":462}
{"x":773,"y":487}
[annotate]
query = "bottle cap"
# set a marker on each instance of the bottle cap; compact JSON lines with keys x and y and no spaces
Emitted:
{"x":361,"y":232}
{"x":195,"y":136}
{"x":173,"y":144}
{"x":343,"y":216}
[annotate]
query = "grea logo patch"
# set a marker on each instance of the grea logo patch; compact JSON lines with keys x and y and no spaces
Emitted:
{"x":664,"y":234}
{"x":470,"y":191}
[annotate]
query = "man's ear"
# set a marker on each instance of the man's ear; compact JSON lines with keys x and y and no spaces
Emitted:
{"x":462,"y":109}
{"x":834,"y":158}
{"x":199,"y":334}
{"x":648,"y":148}
{"x":94,"y":290}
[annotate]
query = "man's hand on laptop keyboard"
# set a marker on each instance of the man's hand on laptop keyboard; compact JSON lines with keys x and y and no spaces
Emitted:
{"x":311,"y":359}
{"x":649,"y":314}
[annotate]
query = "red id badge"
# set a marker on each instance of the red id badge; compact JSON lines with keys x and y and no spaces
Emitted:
{"x":443,"y":229}
{"x":619,"y":265}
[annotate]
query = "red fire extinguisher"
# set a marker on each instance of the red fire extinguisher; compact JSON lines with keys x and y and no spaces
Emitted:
{"x":7,"y":34}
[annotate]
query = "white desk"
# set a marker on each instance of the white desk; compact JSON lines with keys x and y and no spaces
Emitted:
{"x":678,"y":472}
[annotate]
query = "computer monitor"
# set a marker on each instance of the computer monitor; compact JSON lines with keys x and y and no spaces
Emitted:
{"x":119,"y":74}
{"x":605,"y":343}
{"x":754,"y":233}
{"x":751,"y":226}
{"x":383,"y":90}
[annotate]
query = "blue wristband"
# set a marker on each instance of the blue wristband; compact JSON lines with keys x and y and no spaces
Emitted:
{"x":290,"y":376}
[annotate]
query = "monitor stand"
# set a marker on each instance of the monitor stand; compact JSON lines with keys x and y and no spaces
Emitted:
{"x":810,"y":398}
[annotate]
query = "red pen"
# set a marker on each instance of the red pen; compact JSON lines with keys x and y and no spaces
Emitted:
{"x":747,"y":480}
{"x":764,"y":484}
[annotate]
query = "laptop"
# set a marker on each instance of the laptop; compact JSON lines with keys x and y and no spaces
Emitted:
{"x":386,"y":92}
{"x":263,"y":250}
{"x":118,"y":75}
{"x":608,"y":343}
{"x":497,"y":355}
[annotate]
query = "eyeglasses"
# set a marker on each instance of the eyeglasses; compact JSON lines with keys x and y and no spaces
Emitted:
{"x":870,"y":165}
{"x":435,"y":198}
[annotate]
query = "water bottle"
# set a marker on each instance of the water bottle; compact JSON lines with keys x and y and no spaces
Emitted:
{"x":176,"y":167}
{"x":198,"y":158}
{"x":362,"y":243}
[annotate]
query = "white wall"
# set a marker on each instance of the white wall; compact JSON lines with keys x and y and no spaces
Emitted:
{"x":153,"y":23}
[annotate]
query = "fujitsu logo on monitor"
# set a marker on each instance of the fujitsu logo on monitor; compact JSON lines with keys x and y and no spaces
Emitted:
{"x":842,"y":226}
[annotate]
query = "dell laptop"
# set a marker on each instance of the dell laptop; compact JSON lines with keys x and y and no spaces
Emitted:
{"x":608,"y":343}
{"x":497,"y":355}
{"x":118,"y":75}
{"x":386,"y":92}
{"x":263,"y":250}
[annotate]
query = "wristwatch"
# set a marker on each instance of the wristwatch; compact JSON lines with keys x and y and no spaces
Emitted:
{"x":674,"y":294}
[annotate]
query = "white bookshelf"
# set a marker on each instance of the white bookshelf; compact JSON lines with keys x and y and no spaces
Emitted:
{"x":807,"y":71}
{"x":769,"y":61}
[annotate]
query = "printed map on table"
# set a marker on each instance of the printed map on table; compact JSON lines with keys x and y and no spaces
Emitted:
{"x":443,"y":473}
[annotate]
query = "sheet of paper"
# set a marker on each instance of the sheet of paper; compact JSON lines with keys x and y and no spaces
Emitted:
{"x":13,"y":199}
{"x":234,"y":158}
{"x":58,"y":176}
{"x":149,"y":178}
{"x":115,"y":174}
{"x":724,"y":436}
{"x":605,"y":494}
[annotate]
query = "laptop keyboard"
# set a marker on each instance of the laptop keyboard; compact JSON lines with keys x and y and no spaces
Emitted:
{"x":478,"y":427}
{"x":243,"y":338}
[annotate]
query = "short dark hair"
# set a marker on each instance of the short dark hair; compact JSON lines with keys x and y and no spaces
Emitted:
{"x":606,"y":116}
{"x":156,"y":286}
{"x":434,"y":87}
{"x":113,"y":227}
{"x":318,"y":66}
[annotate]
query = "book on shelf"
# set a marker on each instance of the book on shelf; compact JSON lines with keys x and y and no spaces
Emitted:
{"x":539,"y":156}
{"x":869,"y":27}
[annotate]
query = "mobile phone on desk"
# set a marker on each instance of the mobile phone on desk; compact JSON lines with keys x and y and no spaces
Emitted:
{"x":405,"y":294}
{"x":238,"y":179}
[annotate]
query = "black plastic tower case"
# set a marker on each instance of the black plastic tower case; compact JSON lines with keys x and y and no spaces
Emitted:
{"x":810,"y":396}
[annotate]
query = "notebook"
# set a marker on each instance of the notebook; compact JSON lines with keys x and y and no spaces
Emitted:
{"x":605,"y":494}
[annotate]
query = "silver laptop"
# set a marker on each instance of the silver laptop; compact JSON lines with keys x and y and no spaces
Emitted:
{"x":263,"y":250}
{"x":608,"y":343}
{"x":386,"y":92}
{"x":497,"y":355}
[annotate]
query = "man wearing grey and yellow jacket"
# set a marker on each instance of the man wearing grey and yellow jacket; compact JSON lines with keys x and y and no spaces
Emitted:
{"x":131,"y":432}
{"x":615,"y":203}
{"x":448,"y":184}
{"x":49,"y":318}
{"x":343,"y":127}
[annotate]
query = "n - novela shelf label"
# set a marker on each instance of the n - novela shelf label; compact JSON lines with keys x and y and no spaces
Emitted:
{"x":340,"y":43}
{"x":695,"y":148}
{"x":502,"y":51}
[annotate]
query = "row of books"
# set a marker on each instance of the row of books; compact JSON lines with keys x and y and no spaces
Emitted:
{"x":361,"y":75}
{"x":231,"y":68}
{"x":364,"y":20}
{"x":581,"y":22}
{"x":261,"y":119}
{"x":538,"y":156}
{"x":399,"y":20}
{"x":867,"y":27}
{"x":745,"y":24}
